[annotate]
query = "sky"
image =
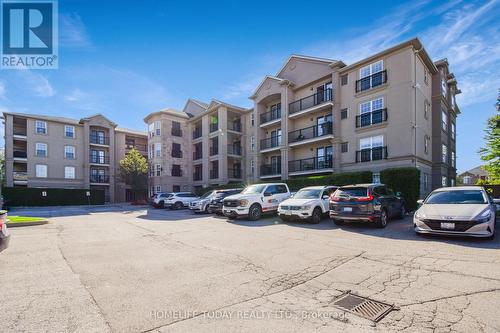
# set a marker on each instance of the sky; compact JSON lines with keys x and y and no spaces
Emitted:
{"x":125,"y":59}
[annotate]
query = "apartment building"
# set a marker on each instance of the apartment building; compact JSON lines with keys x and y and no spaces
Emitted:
{"x":57,"y":152}
{"x":395,"y":108}
{"x":201,"y":145}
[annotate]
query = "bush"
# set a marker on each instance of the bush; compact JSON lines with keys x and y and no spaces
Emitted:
{"x":404,"y":180}
{"x":27,"y":196}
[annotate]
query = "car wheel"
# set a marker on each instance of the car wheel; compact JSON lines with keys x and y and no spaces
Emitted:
{"x":316,"y":215}
{"x":206,"y":210}
{"x":382,"y":223}
{"x":402,"y":212}
{"x":255,"y":212}
{"x":178,"y":205}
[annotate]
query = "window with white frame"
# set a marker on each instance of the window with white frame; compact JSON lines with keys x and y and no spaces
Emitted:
{"x":158,"y":188}
{"x":69,"y":172}
{"x":453,"y":159}
{"x":426,"y":181}
{"x":426,"y":144}
{"x":41,"y":171}
{"x":252,"y":143}
{"x":453,"y":130}
{"x":371,"y":112}
{"x":371,"y":76}
{"x":158,"y":149}
{"x":158,"y":170}
{"x":427,"y":107}
{"x":158,"y":128}
{"x":376,"y":178}
{"x":371,"y":69}
{"x":426,"y":77}
{"x":41,"y":127}
{"x":444,"y":120}
{"x":69,"y":152}
{"x":444,"y":181}
{"x":69,"y":131}
{"x":444,"y":153}
{"x":444,"y":87}
{"x":152,"y":191}
{"x":371,"y":148}
{"x":151,"y":151}
{"x":252,"y":167}
{"x":467,"y":180}
{"x":452,"y":181}
{"x":41,"y":149}
{"x":151,"y":129}
{"x":252,"y":119}
{"x":371,"y":142}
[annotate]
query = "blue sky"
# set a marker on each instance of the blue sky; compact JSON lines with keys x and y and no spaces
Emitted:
{"x":128,"y":58}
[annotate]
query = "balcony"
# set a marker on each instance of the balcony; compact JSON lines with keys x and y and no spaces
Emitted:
{"x":177,"y":153}
{"x":310,"y":133}
{"x":310,"y":101}
{"x":197,"y":155}
{"x":99,"y":140}
{"x":270,"y":143}
{"x":371,"y":81}
{"x":99,"y":179}
{"x":234,"y":150}
{"x":20,"y":154}
{"x":371,"y":118}
{"x":96,"y":159}
{"x":21,"y":176}
{"x":371,"y":154}
{"x":214,"y":174}
{"x":214,"y":127}
{"x":197,"y":133}
{"x":214,"y":151}
{"x":234,"y":126}
{"x":270,"y":170}
{"x":234,"y":173}
{"x":176,"y":132}
{"x":270,"y":116}
{"x":137,"y":146}
{"x":20,"y":133}
{"x":313,"y":164}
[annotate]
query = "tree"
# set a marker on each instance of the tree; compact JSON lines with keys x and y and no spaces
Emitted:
{"x":134,"y":172}
{"x":491,"y":153}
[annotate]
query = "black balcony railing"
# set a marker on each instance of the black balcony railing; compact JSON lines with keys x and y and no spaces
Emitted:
{"x":234,"y":149}
{"x":310,"y":164}
{"x":214,"y":151}
{"x":234,"y":173}
{"x":310,"y":132}
{"x":214,"y":174}
{"x":100,"y":179}
{"x":270,"y":116}
{"x":197,"y":176}
{"x":234,"y":126}
{"x":20,"y":154}
{"x":371,"y":154}
{"x":197,"y":133}
{"x":197,"y":154}
{"x":176,"y":132}
{"x":310,"y":101}
{"x":272,"y":142}
{"x":371,"y":81}
{"x":270,"y":169}
{"x":176,"y":172}
{"x":177,"y":153}
{"x":214,"y":127}
{"x":99,"y":140}
{"x":370,"y":118}
{"x":96,"y":159}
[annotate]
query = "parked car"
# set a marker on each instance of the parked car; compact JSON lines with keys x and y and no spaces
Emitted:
{"x":255,"y":200}
{"x":201,"y":205}
{"x":217,"y":200}
{"x":4,"y":234}
{"x":309,"y":203}
{"x":374,"y":203}
{"x":180,"y":200}
{"x":463,"y":210}
{"x":159,"y":199}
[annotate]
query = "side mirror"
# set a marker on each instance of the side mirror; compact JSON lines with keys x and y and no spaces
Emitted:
{"x":398,"y":194}
{"x":325,"y":196}
{"x":267,"y":194}
{"x":420,"y":201}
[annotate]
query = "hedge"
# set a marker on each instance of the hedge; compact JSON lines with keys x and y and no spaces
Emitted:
{"x":404,"y":180}
{"x":28,"y":196}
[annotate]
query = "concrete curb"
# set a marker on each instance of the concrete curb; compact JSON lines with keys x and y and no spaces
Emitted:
{"x":26,"y":224}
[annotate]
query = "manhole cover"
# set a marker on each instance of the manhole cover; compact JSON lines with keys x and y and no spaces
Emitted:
{"x":363,"y":307}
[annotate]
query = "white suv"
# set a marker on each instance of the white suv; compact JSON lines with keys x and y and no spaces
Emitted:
{"x":255,"y":200}
{"x":310,"y":203}
{"x":201,"y":205}
{"x":179,"y":200}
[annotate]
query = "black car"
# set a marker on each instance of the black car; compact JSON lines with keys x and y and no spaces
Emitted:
{"x":215,"y":205}
{"x":374,"y":203}
{"x":4,"y":234}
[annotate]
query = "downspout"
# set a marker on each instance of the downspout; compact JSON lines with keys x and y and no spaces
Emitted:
{"x":415,"y":86}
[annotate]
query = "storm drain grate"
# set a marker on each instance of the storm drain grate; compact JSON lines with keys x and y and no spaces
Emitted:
{"x":363,"y":307}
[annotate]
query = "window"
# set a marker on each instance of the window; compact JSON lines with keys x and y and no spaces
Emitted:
{"x":69,"y":131}
{"x":426,"y":181}
{"x":371,"y":76}
{"x":444,"y":120}
{"x":371,"y":142}
{"x":151,"y":170}
{"x":41,"y":171}
{"x":158,"y":170}
{"x":157,"y":128}
{"x":41,"y":150}
{"x":453,"y":129}
{"x":343,"y":114}
{"x":252,"y":119}
{"x":344,"y":80}
{"x":444,"y":181}
{"x":176,"y":170}
{"x":444,"y":88}
{"x":69,"y":152}
{"x":252,"y":143}
{"x":176,"y":128}
{"x":252,"y":167}
{"x":426,"y":144}
{"x":158,"y":149}
{"x":344,"y":147}
{"x":371,"y":149}
{"x":152,"y":191}
{"x":376,"y":178}
{"x":452,"y":182}
{"x":158,"y":188}
{"x":444,"y":153}
{"x":426,"y":77}
{"x":453,"y":159}
{"x":69,"y":172}
{"x":151,"y":130}
{"x":427,"y":107}
{"x":370,"y":113}
{"x":467,"y":180}
{"x":176,"y":188}
{"x":41,"y":127}
{"x":176,"y":150}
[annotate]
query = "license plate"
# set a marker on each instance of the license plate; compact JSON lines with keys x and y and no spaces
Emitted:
{"x":227,"y":211}
{"x":347,"y":209}
{"x":447,"y":225}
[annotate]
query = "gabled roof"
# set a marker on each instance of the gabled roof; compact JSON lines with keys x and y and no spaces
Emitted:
{"x":97,"y":115}
{"x":309,"y":58}
{"x":477,"y":171}
{"x":44,"y":117}
{"x":131,"y":131}
{"x":167,"y":111}
{"x":269,"y":77}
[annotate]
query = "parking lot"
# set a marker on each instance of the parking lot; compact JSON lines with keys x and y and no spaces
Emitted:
{"x":153,"y":270}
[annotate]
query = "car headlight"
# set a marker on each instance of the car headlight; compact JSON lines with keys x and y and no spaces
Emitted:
{"x":305,"y":207}
{"x":484,"y":216}
{"x":419,"y":215}
{"x":243,"y":203}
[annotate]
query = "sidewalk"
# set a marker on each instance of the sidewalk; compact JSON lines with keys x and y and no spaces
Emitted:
{"x":52,"y":211}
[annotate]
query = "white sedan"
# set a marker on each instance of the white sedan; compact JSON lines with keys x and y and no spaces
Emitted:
{"x":309,"y":203}
{"x":465,"y":210}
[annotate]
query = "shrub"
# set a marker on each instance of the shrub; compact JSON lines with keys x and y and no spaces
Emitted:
{"x":27,"y":196}
{"x":404,"y":180}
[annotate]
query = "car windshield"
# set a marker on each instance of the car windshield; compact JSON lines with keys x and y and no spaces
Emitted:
{"x":457,"y":197}
{"x":307,"y":194}
{"x":206,"y":195}
{"x":254,"y":189}
{"x":352,"y":192}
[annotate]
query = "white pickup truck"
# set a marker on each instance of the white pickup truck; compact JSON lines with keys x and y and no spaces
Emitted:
{"x":255,"y":200}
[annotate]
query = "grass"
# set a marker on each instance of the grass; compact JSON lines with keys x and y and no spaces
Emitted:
{"x":24,"y":219}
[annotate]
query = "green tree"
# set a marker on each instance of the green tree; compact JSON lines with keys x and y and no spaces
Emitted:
{"x":491,"y":153}
{"x":134,"y":172}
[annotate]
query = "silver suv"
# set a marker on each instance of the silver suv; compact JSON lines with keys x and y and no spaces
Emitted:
{"x":180,"y":200}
